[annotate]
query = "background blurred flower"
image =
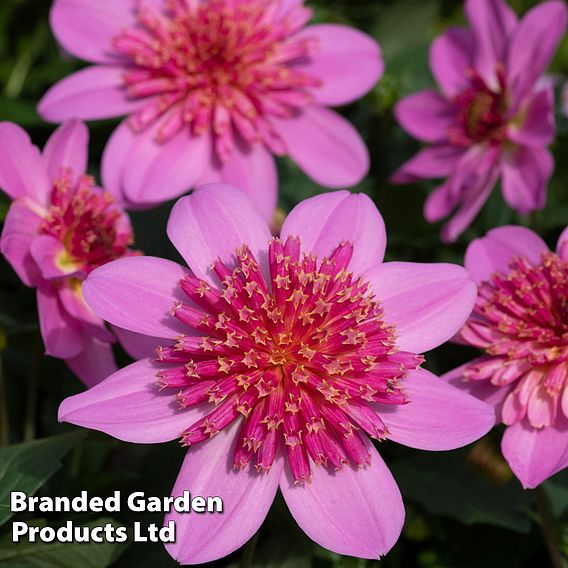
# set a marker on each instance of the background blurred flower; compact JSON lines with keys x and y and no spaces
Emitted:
{"x":60,"y":226}
{"x":520,"y":321}
{"x":494,"y":116}
{"x":212,"y":90}
{"x":283,"y":362}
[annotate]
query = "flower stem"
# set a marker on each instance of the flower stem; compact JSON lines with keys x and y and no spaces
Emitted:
{"x":548,"y":527}
{"x":534,"y":221}
{"x":248,"y":552}
{"x":31,"y":404}
{"x":4,"y":424}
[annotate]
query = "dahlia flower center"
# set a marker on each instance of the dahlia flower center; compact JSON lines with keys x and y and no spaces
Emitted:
{"x":481,"y":113}
{"x":85,"y":220}
{"x":299,"y":355}
{"x":217,"y":66}
{"x":521,"y":321}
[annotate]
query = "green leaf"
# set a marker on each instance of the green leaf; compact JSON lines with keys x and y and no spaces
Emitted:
{"x":26,"y":467}
{"x":59,"y":554}
{"x":557,"y":490}
{"x":23,"y":113}
{"x":404,"y":31}
{"x":445,"y":484}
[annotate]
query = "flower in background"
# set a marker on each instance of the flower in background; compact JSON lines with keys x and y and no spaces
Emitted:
{"x":277,"y":360}
{"x":565,"y":99}
{"x":213,"y":89}
{"x":494,"y":116}
{"x":520,"y":321}
{"x":60,"y":227}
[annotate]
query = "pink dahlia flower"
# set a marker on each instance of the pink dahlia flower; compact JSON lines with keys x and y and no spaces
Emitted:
{"x":278,"y":359}
{"x":494,"y":116}
{"x":520,"y":321}
{"x":60,"y":227}
{"x":213,"y":89}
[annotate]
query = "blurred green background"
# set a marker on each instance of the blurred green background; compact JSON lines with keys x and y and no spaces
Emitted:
{"x":463,"y":508}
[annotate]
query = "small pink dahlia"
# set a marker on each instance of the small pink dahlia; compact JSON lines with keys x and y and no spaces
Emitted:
{"x":494,"y":116}
{"x":520,"y":321}
{"x":59,"y":228}
{"x":278,"y":359}
{"x":213,"y":89}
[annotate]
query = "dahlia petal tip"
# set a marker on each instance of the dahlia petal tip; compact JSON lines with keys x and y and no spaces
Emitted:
{"x":439,"y":416}
{"x":67,"y":147}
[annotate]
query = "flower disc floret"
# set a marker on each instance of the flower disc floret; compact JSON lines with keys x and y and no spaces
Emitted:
{"x":217,"y":67}
{"x":87,"y":222}
{"x":521,"y":321}
{"x":301,"y":354}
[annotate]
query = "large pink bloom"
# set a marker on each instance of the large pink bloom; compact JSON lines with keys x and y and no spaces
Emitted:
{"x":521,"y":323}
{"x":494,"y":116}
{"x":278,"y":359}
{"x":213,"y":88}
{"x":58,"y":229}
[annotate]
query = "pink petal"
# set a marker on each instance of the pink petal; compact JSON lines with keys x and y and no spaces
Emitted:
{"x":250,"y":169}
{"x":45,"y":251}
{"x":138,"y":346}
{"x":247,"y":497}
{"x":472,"y":183}
{"x":562,"y":245}
{"x":114,"y":160}
{"x":512,"y":410}
{"x":541,"y":407}
{"x":325,"y":146}
{"x":22,"y":171}
{"x":526,"y":172}
{"x":212,"y":223}
{"x":74,"y":304}
{"x":324,"y":221}
{"x":21,"y":227}
{"x":428,"y":163}
{"x":437,"y":417}
{"x":129,"y":406}
{"x":426,"y":115}
{"x":450,"y":55}
{"x":62,"y":335}
{"x":86,"y":28}
{"x":428,"y":303}
{"x":67,"y":147}
{"x":137,"y":293}
{"x":212,"y":172}
{"x":492,"y":23}
{"x":338,"y":47}
{"x":285,"y":8}
{"x":536,"y":454}
{"x":533,"y":46}
{"x":538,"y":125}
{"x":89,"y":94}
{"x":156,"y":172}
{"x":355,"y":512}
{"x":499,"y":247}
{"x":483,"y":390}
{"x":440,"y":203}
{"x":95,"y":363}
